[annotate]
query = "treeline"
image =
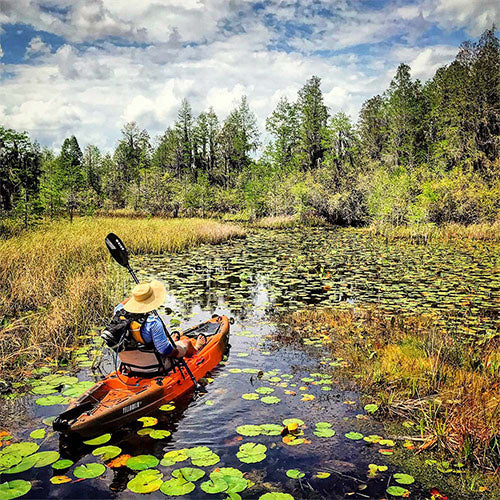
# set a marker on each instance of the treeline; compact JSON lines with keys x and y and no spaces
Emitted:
{"x":417,"y":153}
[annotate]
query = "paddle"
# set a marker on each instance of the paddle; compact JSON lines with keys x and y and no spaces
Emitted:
{"x":119,"y":252}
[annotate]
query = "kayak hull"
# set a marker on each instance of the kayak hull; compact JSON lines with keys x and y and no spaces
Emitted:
{"x":119,"y":399}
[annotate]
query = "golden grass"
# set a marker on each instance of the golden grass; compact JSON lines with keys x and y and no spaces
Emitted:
{"x":416,"y":370}
{"x":424,"y":233}
{"x":58,"y":281}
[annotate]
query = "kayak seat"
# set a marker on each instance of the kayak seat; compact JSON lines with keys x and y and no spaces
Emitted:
{"x":142,"y":362}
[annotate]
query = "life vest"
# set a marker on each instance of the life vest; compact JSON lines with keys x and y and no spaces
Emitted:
{"x":125,"y":327}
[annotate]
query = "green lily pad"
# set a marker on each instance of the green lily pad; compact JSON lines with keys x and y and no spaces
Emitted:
{"x":24,"y":449}
{"x":271,"y":429}
{"x":249,"y":430}
{"x":213,"y":486}
{"x":98,"y":440}
{"x":89,"y":471}
{"x":60,"y":479}
{"x":270,"y":400}
{"x":289,"y":421}
{"x":43,"y":458}
{"x":25,"y":464}
{"x":264,"y":390}
{"x":167,"y":407}
{"x":148,"y":421}
{"x":373,"y":438}
{"x":51,"y":400}
{"x":62,"y":464}
{"x":403,"y":478}
{"x":145,"y":432}
{"x":397,"y":491}
{"x":294,"y":473}
{"x":251,"y":396}
{"x":177,"y":487}
{"x":355,"y":436}
{"x":235,"y":484}
{"x":209,"y":402}
{"x":107,"y":452}
{"x":159,"y":434}
{"x":323,"y":425}
{"x":371,"y":408}
{"x":274,"y":495}
{"x":146,"y":481}
{"x":174,"y":456}
{"x":78,"y":389}
{"x":142,"y":462}
{"x":324,"y":433}
{"x":188,"y":473}
{"x":14,"y":489}
{"x":44,"y":389}
{"x":38,"y":434}
{"x":252,"y":453}
{"x":9,"y":460}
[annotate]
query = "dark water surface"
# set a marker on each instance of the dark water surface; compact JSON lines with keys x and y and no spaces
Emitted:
{"x":255,"y":281}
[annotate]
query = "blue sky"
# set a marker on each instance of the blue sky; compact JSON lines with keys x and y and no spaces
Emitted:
{"x":86,"y":67}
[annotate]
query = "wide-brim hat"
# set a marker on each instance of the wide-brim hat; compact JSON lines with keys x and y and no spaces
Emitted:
{"x":146,"y":297}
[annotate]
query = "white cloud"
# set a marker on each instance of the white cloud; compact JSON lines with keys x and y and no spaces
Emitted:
{"x":1,"y":51}
{"x":37,"y":47}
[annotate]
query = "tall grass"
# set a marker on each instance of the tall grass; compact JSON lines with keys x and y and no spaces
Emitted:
{"x":58,"y":281}
{"x":416,"y":370}
{"x":424,"y":233}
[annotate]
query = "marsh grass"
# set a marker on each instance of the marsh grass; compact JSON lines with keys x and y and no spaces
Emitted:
{"x":416,"y":370}
{"x":425,"y":233}
{"x":57,"y":282}
{"x":288,"y":221}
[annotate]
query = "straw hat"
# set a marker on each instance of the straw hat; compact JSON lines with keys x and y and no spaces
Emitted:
{"x":146,"y":297}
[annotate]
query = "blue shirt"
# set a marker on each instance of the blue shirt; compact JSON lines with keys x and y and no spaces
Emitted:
{"x":152,"y":331}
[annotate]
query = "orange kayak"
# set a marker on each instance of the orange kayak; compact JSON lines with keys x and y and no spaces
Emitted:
{"x":123,"y":395}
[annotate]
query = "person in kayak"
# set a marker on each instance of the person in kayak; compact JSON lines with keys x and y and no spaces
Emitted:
{"x":145,"y":298}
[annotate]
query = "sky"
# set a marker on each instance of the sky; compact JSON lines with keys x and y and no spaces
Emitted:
{"x":87,"y":67}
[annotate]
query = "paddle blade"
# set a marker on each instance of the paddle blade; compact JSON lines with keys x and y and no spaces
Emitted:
{"x":117,"y":249}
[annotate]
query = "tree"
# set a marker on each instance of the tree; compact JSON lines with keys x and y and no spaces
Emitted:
{"x":313,"y":117}
{"x":283,"y":125}
{"x":372,"y":127}
{"x":184,"y":128}
{"x":72,"y":174}
{"x":51,"y":183}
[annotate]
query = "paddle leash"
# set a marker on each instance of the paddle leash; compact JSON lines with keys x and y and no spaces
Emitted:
{"x":119,"y":253}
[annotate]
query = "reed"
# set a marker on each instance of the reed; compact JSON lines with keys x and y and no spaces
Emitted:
{"x":416,"y":370}
{"x":425,"y":233}
{"x":58,"y":281}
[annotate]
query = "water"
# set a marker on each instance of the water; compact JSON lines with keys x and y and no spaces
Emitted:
{"x":255,"y":281}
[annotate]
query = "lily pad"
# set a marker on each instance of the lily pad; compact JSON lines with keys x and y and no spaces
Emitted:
{"x":146,"y":481}
{"x":107,"y":452}
{"x":98,"y":440}
{"x":60,"y":479}
{"x":62,"y":464}
{"x":397,"y":491}
{"x":43,"y":458}
{"x":25,"y":464}
{"x":159,"y":434}
{"x":213,"y":486}
{"x":148,"y":421}
{"x":324,"y":433}
{"x":294,"y":473}
{"x":251,"y":396}
{"x":289,"y":421}
{"x":78,"y":389}
{"x":275,"y":495}
{"x":252,"y":453}
{"x":403,"y":478}
{"x":355,"y":436}
{"x":14,"y":489}
{"x":249,"y":430}
{"x":188,"y":473}
{"x":270,"y":429}
{"x":89,"y":471}
{"x":9,"y":460}
{"x":264,"y":390}
{"x":270,"y":400}
{"x":174,"y":456}
{"x":44,"y":389}
{"x":142,"y":462}
{"x":38,"y":434}
{"x":322,"y":475}
{"x":167,"y":407}
{"x":177,"y":487}
{"x":371,"y":408}
{"x":51,"y":400}
{"x":24,"y":449}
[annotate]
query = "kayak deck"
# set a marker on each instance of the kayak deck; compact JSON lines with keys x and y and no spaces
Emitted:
{"x":120,"y":398}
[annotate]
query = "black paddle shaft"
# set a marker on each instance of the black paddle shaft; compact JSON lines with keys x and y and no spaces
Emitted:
{"x":119,"y":252}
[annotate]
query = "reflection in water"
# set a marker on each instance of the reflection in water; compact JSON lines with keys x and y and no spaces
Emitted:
{"x":255,"y":280}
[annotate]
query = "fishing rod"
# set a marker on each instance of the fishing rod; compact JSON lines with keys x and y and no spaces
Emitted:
{"x":119,"y":253}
